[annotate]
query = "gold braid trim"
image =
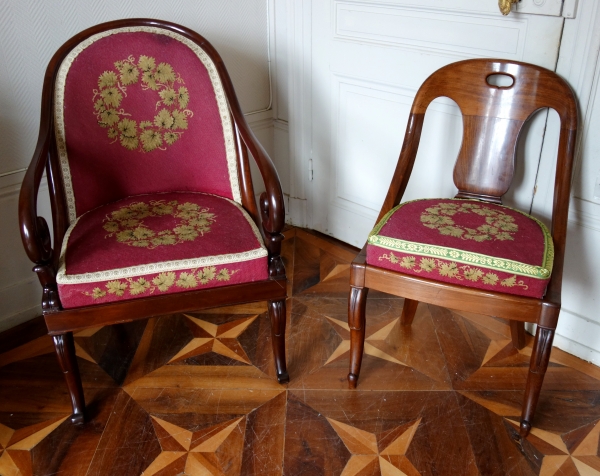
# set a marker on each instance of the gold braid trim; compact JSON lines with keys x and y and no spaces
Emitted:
{"x":453,"y":270}
{"x":467,"y":257}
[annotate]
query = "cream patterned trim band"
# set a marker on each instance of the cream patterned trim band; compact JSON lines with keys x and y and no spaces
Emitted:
{"x":142,"y":270}
{"x":59,"y":96}
{"x":176,"y":265}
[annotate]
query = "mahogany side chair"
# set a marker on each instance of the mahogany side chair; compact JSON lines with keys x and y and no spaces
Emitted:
{"x":471,"y":253}
{"x":146,"y":153}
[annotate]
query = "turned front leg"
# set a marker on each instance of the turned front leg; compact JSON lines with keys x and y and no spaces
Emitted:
{"x":540,"y":357}
{"x":277,"y":316}
{"x":357,"y":303}
{"x":65,"y":351}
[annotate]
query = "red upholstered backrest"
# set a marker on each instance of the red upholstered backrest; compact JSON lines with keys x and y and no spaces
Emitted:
{"x":141,"y":110}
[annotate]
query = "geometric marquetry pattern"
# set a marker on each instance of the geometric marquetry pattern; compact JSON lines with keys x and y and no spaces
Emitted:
{"x":17,"y":446}
{"x":196,"y":393}
{"x":388,"y":456}
{"x":372,"y":342}
{"x":221,"y":339}
{"x":558,"y":459}
{"x":197,"y":452}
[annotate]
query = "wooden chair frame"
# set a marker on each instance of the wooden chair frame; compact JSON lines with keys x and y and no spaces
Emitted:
{"x":44,"y":252}
{"x":483,"y":107}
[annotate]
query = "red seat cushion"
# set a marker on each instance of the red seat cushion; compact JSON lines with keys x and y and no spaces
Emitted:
{"x":158,"y":244}
{"x":467,"y":242}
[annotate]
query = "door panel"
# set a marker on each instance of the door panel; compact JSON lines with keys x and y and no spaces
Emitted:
{"x":368,"y":60}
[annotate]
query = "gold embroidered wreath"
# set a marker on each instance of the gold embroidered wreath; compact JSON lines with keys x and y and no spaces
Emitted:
{"x":498,"y":225}
{"x":168,"y":124}
{"x":128,"y":226}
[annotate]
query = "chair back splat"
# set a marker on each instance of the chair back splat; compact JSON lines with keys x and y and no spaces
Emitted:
{"x":471,"y":253}
{"x":493,"y":117}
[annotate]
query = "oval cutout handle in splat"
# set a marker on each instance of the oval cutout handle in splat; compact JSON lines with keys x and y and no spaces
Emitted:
{"x":500,"y":80}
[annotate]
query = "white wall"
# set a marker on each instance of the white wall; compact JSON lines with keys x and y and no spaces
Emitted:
{"x":32,"y":30}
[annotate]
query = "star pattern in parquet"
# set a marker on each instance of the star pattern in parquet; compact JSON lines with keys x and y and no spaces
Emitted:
{"x":388,"y":455}
{"x":200,"y":452}
{"x":558,"y":459}
{"x":373,"y":342}
{"x":221,"y":339}
{"x":196,"y":394}
{"x":18,"y":447}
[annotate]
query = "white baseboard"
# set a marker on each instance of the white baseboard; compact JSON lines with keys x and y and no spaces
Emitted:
{"x":577,"y":349}
{"x":297,"y":211}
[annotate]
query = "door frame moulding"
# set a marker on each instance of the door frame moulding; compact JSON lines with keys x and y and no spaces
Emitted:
{"x":299,"y":31}
{"x":578,"y":64}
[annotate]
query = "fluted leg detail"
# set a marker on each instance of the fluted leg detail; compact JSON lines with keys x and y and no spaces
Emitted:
{"x":357,"y":303}
{"x":277,"y":316}
{"x":540,"y":357}
{"x":65,"y":351}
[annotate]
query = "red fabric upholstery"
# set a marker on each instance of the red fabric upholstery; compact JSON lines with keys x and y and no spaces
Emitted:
{"x":156,"y":244}
{"x":465,"y":242}
{"x":107,"y":157}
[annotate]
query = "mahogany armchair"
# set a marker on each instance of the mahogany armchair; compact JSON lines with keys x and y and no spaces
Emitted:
{"x":145,"y":150}
{"x":471,"y":253}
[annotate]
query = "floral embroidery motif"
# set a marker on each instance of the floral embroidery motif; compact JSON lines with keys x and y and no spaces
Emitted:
{"x":128,"y":226}
{"x":169,"y":123}
{"x":452,"y":270}
{"x":498,"y":225}
{"x":163,"y":282}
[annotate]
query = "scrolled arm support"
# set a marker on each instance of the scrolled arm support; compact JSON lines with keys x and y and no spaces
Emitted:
{"x":272,"y":210}
{"x":271,"y":204}
{"x":35,"y":232}
{"x":273,"y":238}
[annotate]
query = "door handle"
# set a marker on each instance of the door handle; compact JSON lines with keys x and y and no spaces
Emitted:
{"x":505,"y":5}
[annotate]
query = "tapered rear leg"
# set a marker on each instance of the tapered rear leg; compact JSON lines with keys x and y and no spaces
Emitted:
{"x":540,"y":357}
{"x":277,"y":317}
{"x":357,"y":303}
{"x":408,"y":312}
{"x":65,"y":351}
{"x":517,"y":333}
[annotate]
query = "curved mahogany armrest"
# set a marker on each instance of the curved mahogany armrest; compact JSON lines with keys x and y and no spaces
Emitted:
{"x":35,"y":233}
{"x":272,"y":211}
{"x":272,"y":208}
{"x":271,"y":204}
{"x":34,"y":229}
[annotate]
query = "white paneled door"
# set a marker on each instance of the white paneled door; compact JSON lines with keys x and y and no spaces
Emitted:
{"x":368,"y":59}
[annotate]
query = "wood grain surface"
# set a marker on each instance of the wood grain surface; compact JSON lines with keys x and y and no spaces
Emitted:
{"x":196,"y":393}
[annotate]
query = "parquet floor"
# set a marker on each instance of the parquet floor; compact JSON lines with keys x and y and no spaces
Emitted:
{"x":195,"y":394}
